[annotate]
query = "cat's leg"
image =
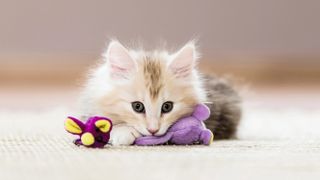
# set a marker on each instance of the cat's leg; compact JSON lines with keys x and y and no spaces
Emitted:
{"x":123,"y":135}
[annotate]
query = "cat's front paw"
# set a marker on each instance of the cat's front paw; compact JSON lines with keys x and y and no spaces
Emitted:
{"x":122,"y":135}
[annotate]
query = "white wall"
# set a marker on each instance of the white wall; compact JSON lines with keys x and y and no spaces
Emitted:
{"x":224,"y":26}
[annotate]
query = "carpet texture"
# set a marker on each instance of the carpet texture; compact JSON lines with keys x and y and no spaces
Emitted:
{"x":271,"y":145}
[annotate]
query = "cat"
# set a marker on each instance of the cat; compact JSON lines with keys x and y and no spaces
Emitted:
{"x":144,"y":93}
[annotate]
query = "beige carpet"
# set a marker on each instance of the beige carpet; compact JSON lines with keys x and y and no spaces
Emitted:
{"x":40,"y":149}
{"x":34,"y":145}
{"x":54,"y":157}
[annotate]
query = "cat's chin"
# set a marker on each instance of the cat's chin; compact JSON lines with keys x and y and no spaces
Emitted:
{"x":145,"y":132}
{"x":162,"y":130}
{"x":142,"y":131}
{"x":157,"y":134}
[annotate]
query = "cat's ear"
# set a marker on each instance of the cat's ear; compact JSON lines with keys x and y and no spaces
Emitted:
{"x":183,"y":61}
{"x":120,"y":62}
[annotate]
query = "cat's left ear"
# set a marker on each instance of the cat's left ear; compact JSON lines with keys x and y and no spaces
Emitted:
{"x":120,"y":62}
{"x":184,"y":61}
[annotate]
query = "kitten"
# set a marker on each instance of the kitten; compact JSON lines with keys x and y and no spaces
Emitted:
{"x":146,"y":92}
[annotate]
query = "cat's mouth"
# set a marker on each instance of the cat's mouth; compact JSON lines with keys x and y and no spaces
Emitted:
{"x":144,"y":132}
{"x":163,"y":130}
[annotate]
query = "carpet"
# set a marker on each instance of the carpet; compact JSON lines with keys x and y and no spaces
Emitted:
{"x":271,"y":144}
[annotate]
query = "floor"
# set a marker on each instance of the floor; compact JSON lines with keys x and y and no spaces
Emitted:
{"x":55,"y":157}
{"x":278,"y":139}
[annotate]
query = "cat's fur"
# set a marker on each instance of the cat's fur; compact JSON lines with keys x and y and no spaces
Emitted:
{"x":225,"y":105}
{"x":126,"y":76}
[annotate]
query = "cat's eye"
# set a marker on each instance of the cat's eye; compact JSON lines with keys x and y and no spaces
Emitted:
{"x":138,"y":107}
{"x":167,"y":107}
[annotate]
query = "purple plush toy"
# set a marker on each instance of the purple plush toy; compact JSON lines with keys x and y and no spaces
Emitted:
{"x":94,"y":133}
{"x":187,"y":130}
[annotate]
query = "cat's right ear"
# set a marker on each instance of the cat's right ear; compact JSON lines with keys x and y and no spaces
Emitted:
{"x":120,"y":62}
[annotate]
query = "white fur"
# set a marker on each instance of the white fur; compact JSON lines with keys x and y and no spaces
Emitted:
{"x":123,"y":135}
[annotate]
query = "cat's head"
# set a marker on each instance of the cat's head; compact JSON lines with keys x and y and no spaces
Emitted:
{"x":150,"y":90}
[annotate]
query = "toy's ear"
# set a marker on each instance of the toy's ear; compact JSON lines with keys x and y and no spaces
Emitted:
{"x":73,"y":125}
{"x":201,"y":112}
{"x":103,"y":125}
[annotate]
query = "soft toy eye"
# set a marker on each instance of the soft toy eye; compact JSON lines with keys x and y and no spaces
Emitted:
{"x":167,"y":107}
{"x":138,"y":107}
{"x":99,"y":139}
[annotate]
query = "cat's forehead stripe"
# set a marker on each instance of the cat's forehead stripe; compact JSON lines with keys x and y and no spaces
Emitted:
{"x":153,"y":76}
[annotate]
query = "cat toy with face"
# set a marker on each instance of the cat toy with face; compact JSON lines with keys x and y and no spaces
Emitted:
{"x":94,"y":133}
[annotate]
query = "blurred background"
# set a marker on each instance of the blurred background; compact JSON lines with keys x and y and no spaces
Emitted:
{"x":270,"y":47}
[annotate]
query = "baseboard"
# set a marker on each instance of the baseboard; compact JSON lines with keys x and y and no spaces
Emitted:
{"x":70,"y":70}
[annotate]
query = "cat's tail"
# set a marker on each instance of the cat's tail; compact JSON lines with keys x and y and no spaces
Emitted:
{"x":225,"y":106}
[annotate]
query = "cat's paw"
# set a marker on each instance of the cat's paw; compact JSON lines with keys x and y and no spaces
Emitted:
{"x":122,"y":135}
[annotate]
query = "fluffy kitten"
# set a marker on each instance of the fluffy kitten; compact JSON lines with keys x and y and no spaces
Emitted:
{"x":145,"y":92}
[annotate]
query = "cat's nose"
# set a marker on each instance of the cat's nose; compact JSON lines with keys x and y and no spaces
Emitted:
{"x":152,"y":131}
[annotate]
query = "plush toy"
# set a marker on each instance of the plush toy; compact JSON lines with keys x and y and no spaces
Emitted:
{"x":94,"y":133}
{"x":187,"y":130}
